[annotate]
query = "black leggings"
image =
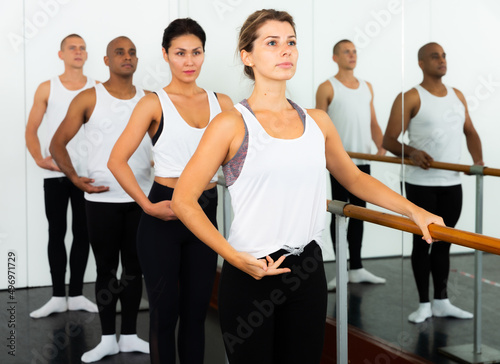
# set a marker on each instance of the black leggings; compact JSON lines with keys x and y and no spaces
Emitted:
{"x":58,"y":192}
{"x":355,"y":226}
{"x":278,"y":319}
{"x":179,"y":272}
{"x":447,"y":203}
{"x":113,"y":231}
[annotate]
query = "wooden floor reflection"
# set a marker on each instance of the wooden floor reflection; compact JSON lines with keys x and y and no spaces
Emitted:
{"x":382,"y":310}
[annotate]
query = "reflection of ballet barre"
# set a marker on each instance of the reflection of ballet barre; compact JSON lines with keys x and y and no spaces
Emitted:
{"x":467,"y":353}
{"x":471,"y":240}
{"x":486,"y":171}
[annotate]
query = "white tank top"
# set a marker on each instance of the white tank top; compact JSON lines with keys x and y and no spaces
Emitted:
{"x":351,"y":114}
{"x":277,"y":188}
{"x":437,"y":129}
{"x":176,"y":141}
{"x":57,"y":107}
{"x":107,"y":122}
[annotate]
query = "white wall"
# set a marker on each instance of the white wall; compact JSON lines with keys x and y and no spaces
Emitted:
{"x":32,"y":39}
{"x":13,"y":217}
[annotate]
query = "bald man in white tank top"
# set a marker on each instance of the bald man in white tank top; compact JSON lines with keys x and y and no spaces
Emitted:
{"x":113,"y":216}
{"x":349,"y":103}
{"x":52,"y":99}
{"x":436,"y":117}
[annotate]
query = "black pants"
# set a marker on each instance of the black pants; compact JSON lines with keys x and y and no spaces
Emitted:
{"x":278,"y":319}
{"x":355,"y":226}
{"x":113,"y":231}
{"x":447,"y":203}
{"x":58,"y":192}
{"x":179,"y":272}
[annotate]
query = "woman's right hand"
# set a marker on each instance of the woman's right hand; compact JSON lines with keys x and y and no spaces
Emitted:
{"x":48,"y":163}
{"x":161,"y":210}
{"x":259,"y":268}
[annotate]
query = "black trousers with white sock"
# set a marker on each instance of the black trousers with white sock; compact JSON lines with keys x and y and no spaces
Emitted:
{"x":112,"y":232}
{"x":445,"y":201}
{"x":58,"y":192}
{"x":179,"y":272}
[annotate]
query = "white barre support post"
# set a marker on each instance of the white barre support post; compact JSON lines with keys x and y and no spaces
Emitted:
{"x":477,"y":352}
{"x":226,"y":201}
{"x":226,"y":216}
{"x":226,"y":206}
{"x":478,"y":265}
{"x":337,"y":208}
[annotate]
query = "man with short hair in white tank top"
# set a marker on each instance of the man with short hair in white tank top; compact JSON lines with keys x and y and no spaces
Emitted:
{"x":348,"y":101}
{"x":435,"y":116}
{"x":112,"y":215}
{"x":52,"y":99}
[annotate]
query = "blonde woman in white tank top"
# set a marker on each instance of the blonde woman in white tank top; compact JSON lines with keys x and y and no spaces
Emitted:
{"x":265,"y":316}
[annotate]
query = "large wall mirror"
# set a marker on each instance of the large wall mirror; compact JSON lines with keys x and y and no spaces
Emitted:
{"x":387,"y":34}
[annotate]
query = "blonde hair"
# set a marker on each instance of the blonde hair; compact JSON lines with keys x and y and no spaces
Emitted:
{"x":249,"y":29}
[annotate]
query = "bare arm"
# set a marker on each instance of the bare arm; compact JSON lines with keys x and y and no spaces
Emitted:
{"x":34,"y":121}
{"x":324,"y":96}
{"x":396,"y":127}
{"x":471,"y":135}
{"x":376,"y":131}
{"x":219,"y":143}
{"x":79,"y":112}
{"x":145,"y":118}
{"x":365,"y":186}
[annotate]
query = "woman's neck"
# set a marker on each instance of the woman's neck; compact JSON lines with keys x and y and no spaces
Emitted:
{"x":269,"y":95}
{"x":182,"y":88}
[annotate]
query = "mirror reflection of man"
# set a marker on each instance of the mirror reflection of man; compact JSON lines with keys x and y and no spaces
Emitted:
{"x":436,"y":117}
{"x":52,"y":99}
{"x":348,"y":101}
{"x":112,"y":215}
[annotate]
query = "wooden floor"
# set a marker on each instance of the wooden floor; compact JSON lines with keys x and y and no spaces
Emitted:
{"x":380,"y":310}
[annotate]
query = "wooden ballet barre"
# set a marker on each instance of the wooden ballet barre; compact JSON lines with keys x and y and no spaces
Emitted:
{"x":486,"y":171}
{"x":450,"y":235}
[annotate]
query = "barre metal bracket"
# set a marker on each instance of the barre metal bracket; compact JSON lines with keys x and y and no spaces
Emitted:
{"x":337,"y":207}
{"x":476,"y":170}
{"x":221,"y":180}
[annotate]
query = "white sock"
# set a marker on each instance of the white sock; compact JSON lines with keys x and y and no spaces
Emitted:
{"x":332,"y":285}
{"x":55,"y":304}
{"x":107,"y":346}
{"x":362,"y":275}
{"x":130,"y":343}
{"x":82,"y":303}
{"x":443,"y":308}
{"x":423,"y":313}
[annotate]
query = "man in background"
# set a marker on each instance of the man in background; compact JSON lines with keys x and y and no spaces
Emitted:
{"x":52,"y":99}
{"x":349,"y":103}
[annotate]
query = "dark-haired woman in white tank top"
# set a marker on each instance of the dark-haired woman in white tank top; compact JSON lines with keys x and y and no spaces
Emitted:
{"x":178,"y":269}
